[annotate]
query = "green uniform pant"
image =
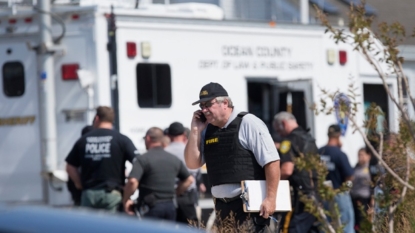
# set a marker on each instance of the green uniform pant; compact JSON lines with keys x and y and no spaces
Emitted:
{"x":101,"y":199}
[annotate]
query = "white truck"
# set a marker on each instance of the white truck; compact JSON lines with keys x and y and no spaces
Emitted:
{"x":164,"y":55}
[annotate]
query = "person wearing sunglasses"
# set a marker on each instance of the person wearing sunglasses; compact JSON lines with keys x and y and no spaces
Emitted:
{"x":235,"y":146}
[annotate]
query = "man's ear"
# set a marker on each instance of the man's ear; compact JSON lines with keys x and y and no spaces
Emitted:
{"x":95,"y":121}
{"x":146,"y":138}
{"x":281,"y":125}
{"x":225,"y":101}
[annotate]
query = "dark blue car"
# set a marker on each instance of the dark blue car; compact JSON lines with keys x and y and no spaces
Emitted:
{"x":19,"y":219}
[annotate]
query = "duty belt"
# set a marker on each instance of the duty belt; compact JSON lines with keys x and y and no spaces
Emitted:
{"x":228,"y":199}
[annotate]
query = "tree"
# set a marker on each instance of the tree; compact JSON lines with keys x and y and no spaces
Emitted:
{"x":394,"y":208}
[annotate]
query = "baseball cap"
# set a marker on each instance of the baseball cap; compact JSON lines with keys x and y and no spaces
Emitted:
{"x":175,"y":129}
{"x":334,"y":129}
{"x":166,"y":131}
{"x":210,"y":91}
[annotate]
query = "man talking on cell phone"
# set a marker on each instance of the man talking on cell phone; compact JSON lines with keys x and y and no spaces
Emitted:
{"x":235,"y":146}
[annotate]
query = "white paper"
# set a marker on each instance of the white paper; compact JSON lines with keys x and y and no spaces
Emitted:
{"x":257,"y":192}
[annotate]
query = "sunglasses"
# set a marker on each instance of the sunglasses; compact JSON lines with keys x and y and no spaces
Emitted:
{"x":206,"y":105}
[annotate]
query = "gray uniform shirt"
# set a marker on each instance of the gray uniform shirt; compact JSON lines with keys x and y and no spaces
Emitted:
{"x":253,"y":136}
{"x":177,"y":149}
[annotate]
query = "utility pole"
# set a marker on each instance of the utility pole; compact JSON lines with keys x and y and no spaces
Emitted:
{"x":47,"y":105}
{"x":112,"y":49}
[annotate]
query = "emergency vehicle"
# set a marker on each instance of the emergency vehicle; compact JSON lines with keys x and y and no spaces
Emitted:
{"x":164,"y":55}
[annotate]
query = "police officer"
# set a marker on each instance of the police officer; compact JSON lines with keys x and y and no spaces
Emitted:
{"x":186,"y":203}
{"x":296,"y":142}
{"x":236,"y":146}
{"x":154,"y":174}
{"x":77,"y":193}
{"x":101,"y":154}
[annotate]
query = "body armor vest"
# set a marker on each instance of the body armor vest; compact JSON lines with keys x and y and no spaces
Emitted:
{"x":226,"y":160}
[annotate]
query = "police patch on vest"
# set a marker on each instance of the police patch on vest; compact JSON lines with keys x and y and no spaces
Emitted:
{"x":285,"y":146}
{"x":211,"y":141}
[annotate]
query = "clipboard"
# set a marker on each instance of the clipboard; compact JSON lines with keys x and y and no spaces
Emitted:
{"x":254,"y":192}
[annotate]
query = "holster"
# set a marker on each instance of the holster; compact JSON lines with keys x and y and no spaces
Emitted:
{"x":149,"y":200}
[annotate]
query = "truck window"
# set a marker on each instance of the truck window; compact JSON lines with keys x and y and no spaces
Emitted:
{"x":153,"y":85}
{"x":13,"y":79}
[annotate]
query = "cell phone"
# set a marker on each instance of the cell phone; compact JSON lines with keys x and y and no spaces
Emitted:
{"x":202,"y":118}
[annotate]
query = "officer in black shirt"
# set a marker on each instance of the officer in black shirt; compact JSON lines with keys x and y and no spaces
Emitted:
{"x":101,"y":154}
{"x":154,"y":174}
{"x":296,"y":141}
{"x":77,"y":193}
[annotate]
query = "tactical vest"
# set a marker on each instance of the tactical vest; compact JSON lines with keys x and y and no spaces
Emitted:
{"x":304,"y":180}
{"x":226,"y":160}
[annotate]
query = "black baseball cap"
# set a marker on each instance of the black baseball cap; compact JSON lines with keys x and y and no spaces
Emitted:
{"x":334,"y":129}
{"x":166,"y":131}
{"x":210,"y":91}
{"x":175,"y":129}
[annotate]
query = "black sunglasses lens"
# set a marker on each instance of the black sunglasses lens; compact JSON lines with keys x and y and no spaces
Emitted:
{"x":206,"y":105}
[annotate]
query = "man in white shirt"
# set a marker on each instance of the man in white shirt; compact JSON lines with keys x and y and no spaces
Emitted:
{"x":235,"y":146}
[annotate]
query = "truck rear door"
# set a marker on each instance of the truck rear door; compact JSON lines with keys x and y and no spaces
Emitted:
{"x":20,"y":150}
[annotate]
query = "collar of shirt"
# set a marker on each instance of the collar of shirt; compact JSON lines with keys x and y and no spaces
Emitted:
{"x":156,"y":148}
{"x":232,"y":117}
{"x":176,"y":144}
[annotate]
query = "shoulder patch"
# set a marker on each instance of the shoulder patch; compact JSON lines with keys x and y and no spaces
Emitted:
{"x":285,"y":146}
